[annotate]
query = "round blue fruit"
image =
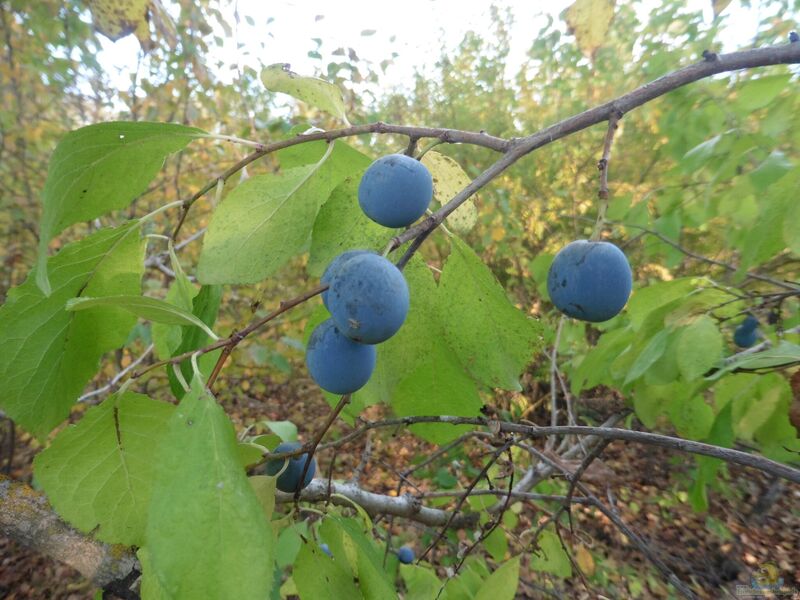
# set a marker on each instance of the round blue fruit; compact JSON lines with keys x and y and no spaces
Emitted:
{"x":334,"y":267}
{"x":289,"y":480}
{"x":395,"y":190}
{"x":590,"y":281}
{"x":405,"y":555}
{"x":746,"y":333}
{"x":338,"y":364}
{"x":368,"y":299}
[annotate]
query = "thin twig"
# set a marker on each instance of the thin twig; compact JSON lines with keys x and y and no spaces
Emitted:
{"x":613,"y":433}
{"x":119,"y":376}
{"x":235,"y":338}
{"x":311,"y":448}
{"x":602,"y":165}
{"x":550,"y":444}
{"x":463,"y":499}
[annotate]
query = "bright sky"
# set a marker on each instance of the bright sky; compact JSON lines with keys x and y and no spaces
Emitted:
{"x":415,"y":29}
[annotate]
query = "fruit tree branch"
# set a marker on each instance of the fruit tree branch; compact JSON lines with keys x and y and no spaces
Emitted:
{"x":713,"y":64}
{"x":26,"y":517}
{"x":612,"y":433}
{"x":449,"y":136}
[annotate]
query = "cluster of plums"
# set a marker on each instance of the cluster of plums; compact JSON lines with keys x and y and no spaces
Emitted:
{"x":590,"y":281}
{"x":367,"y":295}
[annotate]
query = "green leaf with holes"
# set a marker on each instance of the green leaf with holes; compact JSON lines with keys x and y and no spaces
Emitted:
{"x":550,"y":557}
{"x":341,"y":225}
{"x":477,"y":314}
{"x":98,"y":473}
{"x":50,"y":354}
{"x":417,"y":368}
{"x":100,"y":168}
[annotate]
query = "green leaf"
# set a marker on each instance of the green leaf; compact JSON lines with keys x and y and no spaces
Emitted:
{"x":311,"y":90}
{"x":647,"y":301}
{"x":496,"y":544}
{"x":341,"y":225}
{"x":775,"y":166}
{"x":477,"y":315}
{"x":594,"y":369}
{"x":699,"y":347}
{"x":764,"y":239}
{"x":691,"y":416}
{"x":503,"y":583}
{"x":550,"y":557}
{"x":317,"y":576}
{"x":206,"y":532}
{"x":99,"y":168}
{"x":650,"y":401}
{"x":289,"y":543}
{"x":417,"y":369}
{"x":98,"y":473}
{"x":263,"y":223}
{"x":150,"y":587}
{"x":758,"y":92}
{"x":784,"y":354}
{"x":755,"y":402}
{"x":145,"y":307}
{"x":285,"y":429}
{"x":347,"y":540}
{"x":650,"y":354}
{"x":695,"y":158}
{"x":791,"y":231}
{"x":50,"y":353}
{"x":421,"y":582}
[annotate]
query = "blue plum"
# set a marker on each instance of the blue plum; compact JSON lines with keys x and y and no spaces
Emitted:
{"x":405,"y":555}
{"x":746,"y":333}
{"x":334,"y":266}
{"x":289,"y":480}
{"x":368,"y":299}
{"x":590,"y":281}
{"x":395,"y":190}
{"x":338,"y":364}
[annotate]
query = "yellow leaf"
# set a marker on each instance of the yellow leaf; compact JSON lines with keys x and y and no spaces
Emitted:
{"x":588,"y":21}
{"x":311,"y":90}
{"x":585,"y":561}
{"x":117,"y":18}
{"x":719,"y":6}
{"x":448,"y":180}
{"x":498,"y":233}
